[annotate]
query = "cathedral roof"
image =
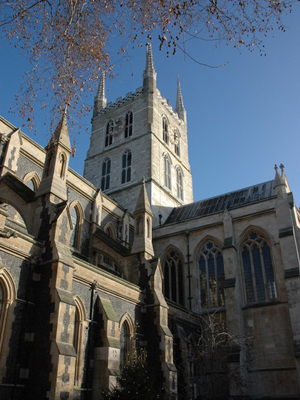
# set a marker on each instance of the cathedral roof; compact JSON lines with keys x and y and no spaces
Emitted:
{"x":228,"y":201}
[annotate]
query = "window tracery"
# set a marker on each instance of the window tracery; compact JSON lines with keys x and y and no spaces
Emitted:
{"x":258,"y":269}
{"x":173,"y":278}
{"x":212,"y":278}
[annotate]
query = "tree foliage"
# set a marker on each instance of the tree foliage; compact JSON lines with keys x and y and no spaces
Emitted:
{"x":68,"y":41}
{"x":211,"y":351}
{"x":136,"y":381}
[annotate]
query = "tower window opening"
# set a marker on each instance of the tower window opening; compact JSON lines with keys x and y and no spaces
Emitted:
{"x":109,"y":133}
{"x":126,"y":166}
{"x":105,"y":180}
{"x":128,"y":124}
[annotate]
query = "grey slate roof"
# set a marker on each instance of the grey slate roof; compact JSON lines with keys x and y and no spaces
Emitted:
{"x":228,"y":201}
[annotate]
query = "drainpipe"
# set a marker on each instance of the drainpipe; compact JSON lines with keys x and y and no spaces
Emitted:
{"x":187,"y":234}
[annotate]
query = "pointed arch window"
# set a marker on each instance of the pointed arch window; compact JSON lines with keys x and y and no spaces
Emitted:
{"x":258,"y":269}
{"x":167,"y":171}
{"x":62,"y":161}
{"x":212,"y":278}
{"x":105,"y":180}
{"x":173,"y":278}
{"x":126,"y":166}
{"x":179,"y":183}
{"x":30,"y":184}
{"x":165,"y":130}
{"x":128,"y":124}
{"x":124,"y":344}
{"x":76,"y":216}
{"x":109,"y":133}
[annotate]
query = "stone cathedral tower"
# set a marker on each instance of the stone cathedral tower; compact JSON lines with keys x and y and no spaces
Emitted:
{"x":140,"y":137}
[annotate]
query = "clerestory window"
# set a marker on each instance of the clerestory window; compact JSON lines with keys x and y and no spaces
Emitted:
{"x":211,"y":276}
{"x":258,"y":269}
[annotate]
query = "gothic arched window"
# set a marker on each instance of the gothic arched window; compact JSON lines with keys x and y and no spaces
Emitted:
{"x":105,"y":180}
{"x":126,"y":166}
{"x":62,"y":161}
{"x":109,"y":133}
{"x":165,"y":130}
{"x":258,"y":269}
{"x":124,"y":343}
{"x":167,"y":171}
{"x":30,"y":184}
{"x":128,"y":124}
{"x":179,"y":183}
{"x":211,"y":276}
{"x":75,"y":231}
{"x":173,"y":278}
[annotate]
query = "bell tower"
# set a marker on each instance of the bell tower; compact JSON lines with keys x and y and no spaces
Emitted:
{"x":141,"y":137}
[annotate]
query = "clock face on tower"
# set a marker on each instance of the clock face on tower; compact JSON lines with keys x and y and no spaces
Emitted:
{"x":173,"y":135}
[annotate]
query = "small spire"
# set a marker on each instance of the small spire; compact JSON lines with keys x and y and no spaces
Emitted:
{"x":61,"y":134}
{"x":149,"y":59}
{"x":100,"y":99}
{"x":142,"y":203}
{"x":149,"y":75}
{"x":279,"y":184}
{"x":180,"y":110}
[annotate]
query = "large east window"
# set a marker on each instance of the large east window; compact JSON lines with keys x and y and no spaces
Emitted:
{"x":258,"y":269}
{"x":211,"y":272}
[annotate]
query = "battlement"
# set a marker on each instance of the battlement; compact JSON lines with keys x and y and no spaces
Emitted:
{"x":121,"y":100}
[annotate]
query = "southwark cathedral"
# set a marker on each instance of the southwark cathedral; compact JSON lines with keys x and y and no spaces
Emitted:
{"x":122,"y":257}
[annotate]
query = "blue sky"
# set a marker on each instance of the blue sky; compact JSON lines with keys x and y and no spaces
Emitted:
{"x":242,"y":118}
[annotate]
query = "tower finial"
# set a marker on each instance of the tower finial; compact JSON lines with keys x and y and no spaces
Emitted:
{"x":149,"y":75}
{"x":100,"y":99}
{"x":180,"y":110}
{"x":149,"y":60}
